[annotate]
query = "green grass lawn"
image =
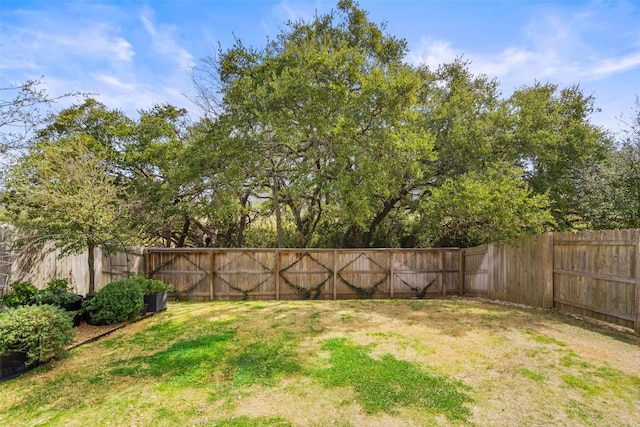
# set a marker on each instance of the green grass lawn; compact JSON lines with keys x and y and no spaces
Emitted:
{"x":343,"y":363}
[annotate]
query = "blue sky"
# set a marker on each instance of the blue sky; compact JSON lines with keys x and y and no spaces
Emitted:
{"x":133,"y":54}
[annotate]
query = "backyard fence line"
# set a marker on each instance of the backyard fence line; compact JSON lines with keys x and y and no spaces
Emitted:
{"x":592,"y":274}
{"x":237,"y":274}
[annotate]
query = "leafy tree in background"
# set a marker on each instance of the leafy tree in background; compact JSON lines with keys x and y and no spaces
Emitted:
{"x":327,"y":137}
{"x":627,"y":184}
{"x":324,"y":117}
{"x":553,"y":141}
{"x":610,"y":190}
{"x":164,"y":204}
{"x":216,"y":163}
{"x":63,"y":191}
{"x":144,"y":157}
{"x":469,"y":121}
{"x":23,"y":108}
{"x":479,"y":207}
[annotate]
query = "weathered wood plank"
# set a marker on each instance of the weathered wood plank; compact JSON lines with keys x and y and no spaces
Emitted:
{"x":612,"y":313}
{"x":606,"y":277}
{"x":595,"y":242}
{"x":636,"y":304}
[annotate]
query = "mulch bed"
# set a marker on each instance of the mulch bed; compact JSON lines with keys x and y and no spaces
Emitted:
{"x":86,"y":333}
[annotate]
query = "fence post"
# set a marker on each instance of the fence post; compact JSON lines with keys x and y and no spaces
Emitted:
{"x":145,"y":263}
{"x":212,"y":272}
{"x":335,"y":275}
{"x":391,"y":273}
{"x":636,"y":326}
{"x":545,"y":248}
{"x":277,"y":272}
{"x":491,"y":271}
{"x":443,"y":282}
{"x":461,"y":271}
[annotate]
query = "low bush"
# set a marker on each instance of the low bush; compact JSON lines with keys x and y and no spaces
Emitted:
{"x":39,"y":331}
{"x":151,"y":286}
{"x":116,"y":302}
{"x":22,"y":293}
{"x":58,"y":293}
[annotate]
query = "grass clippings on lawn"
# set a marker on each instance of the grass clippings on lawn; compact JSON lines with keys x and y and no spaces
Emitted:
{"x":342,"y":363}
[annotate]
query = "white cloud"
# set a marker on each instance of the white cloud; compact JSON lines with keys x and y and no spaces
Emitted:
{"x":146,"y":21}
{"x":552,"y":48}
{"x":285,"y":11}
{"x":96,"y":41}
{"x":609,"y":66}
{"x":505,"y":62}
{"x":433,"y":53}
{"x":437,"y":52}
{"x":31,"y":46}
{"x":164,"y":43}
{"x":114,"y":82}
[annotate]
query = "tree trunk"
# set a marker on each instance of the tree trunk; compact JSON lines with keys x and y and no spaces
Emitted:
{"x":276,"y":207}
{"x":357,"y":237}
{"x":355,"y":233}
{"x":185,"y":231}
{"x":244,"y":200}
{"x":387,"y":207}
{"x":92,"y":266}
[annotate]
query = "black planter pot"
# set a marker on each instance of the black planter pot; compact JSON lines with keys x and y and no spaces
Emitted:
{"x":74,"y":306}
{"x":77,"y":319}
{"x":156,"y":302}
{"x":12,"y":364}
{"x":144,"y":309}
{"x":86,"y":315}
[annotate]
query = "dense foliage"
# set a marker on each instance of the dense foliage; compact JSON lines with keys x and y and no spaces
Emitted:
{"x":116,"y":302}
{"x":57,"y":292}
{"x":40,"y":331}
{"x":150,"y":286}
{"x":21,"y":293}
{"x":328,"y":137}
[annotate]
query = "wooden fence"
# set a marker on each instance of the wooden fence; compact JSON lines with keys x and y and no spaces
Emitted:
{"x":236,"y":274}
{"x":593,"y":274}
{"x":519,"y":273}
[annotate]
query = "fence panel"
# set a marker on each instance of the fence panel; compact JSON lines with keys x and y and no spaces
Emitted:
{"x":477,"y":265}
{"x":120,"y":265}
{"x":519,"y":273}
{"x":362,"y":274}
{"x":425,"y":273}
{"x":595,"y":274}
{"x":305,"y":274}
{"x":189,"y":270}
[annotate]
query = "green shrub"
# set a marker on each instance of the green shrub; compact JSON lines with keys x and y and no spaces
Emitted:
{"x":57,"y":285}
{"x":40,"y":331}
{"x":58,"y":293}
{"x":22,"y":293}
{"x":151,"y":286}
{"x":116,"y":302}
